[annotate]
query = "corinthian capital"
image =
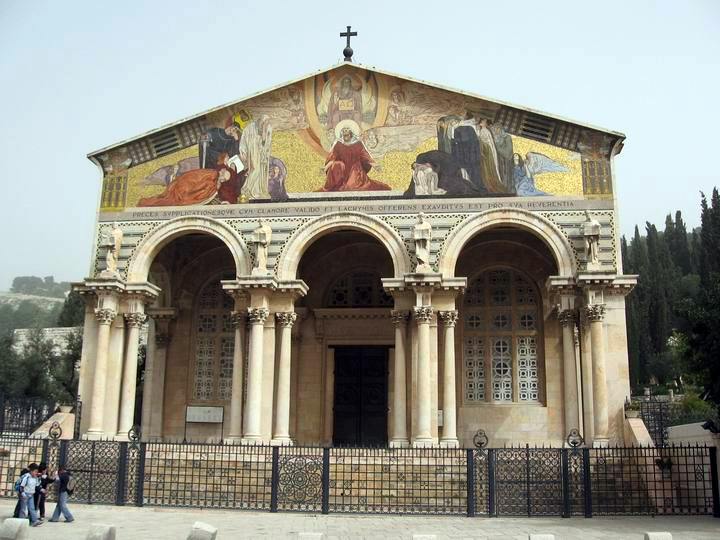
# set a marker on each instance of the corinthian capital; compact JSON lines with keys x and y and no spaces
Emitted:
{"x":399,"y":316}
{"x":135,"y":320}
{"x":286,"y":318}
{"x":566,"y":316}
{"x":237,"y":318}
{"x":448,"y":318}
{"x":105,"y":316}
{"x":423,"y":314}
{"x":258,"y":315}
{"x":595,"y":312}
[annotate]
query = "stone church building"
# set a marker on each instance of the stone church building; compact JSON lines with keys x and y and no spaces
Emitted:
{"x":358,"y":258}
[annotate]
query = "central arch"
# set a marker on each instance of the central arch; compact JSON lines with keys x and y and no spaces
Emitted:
{"x":289,"y":259}
{"x":539,"y":226}
{"x":150,"y":246}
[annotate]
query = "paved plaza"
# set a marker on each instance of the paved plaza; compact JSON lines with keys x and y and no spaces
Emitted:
{"x":134,"y":523}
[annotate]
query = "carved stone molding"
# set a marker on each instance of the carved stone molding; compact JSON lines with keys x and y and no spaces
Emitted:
{"x":423,"y":314}
{"x":286,"y":319}
{"x":105,"y":316}
{"x":258,"y":315}
{"x":448,"y":318}
{"x":135,"y":320}
{"x":399,"y":317}
{"x":595,"y":312}
{"x":566,"y":316}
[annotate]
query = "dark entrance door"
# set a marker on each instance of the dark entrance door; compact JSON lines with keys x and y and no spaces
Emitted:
{"x":361,"y":381}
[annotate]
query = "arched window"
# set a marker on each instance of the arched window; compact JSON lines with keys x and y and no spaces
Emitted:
{"x":501,"y":333}
{"x":214,"y":342}
{"x":358,"y":289}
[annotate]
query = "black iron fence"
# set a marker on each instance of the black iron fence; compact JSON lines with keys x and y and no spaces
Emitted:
{"x":474,"y":482}
{"x":22,"y":415}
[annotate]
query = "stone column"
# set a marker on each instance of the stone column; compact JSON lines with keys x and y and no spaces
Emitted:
{"x":105,"y":318}
{"x":134,"y":322}
{"x":239,"y":321}
{"x":253,"y":406}
{"x":399,"y":438}
{"x":423,"y":437}
{"x":570,"y":397}
{"x":596,"y":314}
{"x":281,"y":429}
{"x":162,"y":342}
{"x":587,"y":380}
{"x":449,"y":431}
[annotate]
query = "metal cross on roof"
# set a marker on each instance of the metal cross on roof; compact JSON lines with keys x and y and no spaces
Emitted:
{"x":347,"y":51}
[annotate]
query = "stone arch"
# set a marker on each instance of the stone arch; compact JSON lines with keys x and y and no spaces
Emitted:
{"x":541,"y":227}
{"x":289,"y":259}
{"x":150,"y":246}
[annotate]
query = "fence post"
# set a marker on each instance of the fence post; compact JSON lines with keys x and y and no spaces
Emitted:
{"x":275,"y":479}
{"x":565,"y":483}
{"x":491,"y":482}
{"x":587,"y":484}
{"x":121,"y":474}
{"x":62,"y":458}
{"x":2,"y":413}
{"x":140,"y":486}
{"x":326,"y":481}
{"x":45,"y":453}
{"x":714,"y":479}
{"x":471,"y":482}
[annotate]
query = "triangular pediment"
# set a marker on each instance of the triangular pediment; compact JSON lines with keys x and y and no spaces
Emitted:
{"x":401,"y":137}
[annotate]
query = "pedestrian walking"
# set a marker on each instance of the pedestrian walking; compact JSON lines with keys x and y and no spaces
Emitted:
{"x":28,"y":484}
{"x":16,"y":513}
{"x":66,"y":485}
{"x":41,"y":492}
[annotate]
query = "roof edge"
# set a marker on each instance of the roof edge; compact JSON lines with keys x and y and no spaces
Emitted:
{"x":94,"y":153}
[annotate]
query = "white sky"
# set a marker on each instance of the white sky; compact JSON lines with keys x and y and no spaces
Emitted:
{"x":78,"y":76}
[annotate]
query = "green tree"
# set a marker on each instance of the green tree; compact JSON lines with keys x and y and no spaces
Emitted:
{"x":73,"y":311}
{"x":64,"y":370}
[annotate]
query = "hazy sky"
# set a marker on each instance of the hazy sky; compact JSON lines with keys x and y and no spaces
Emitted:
{"x":77,"y":76}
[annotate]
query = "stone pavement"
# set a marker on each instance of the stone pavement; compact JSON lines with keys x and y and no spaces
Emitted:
{"x":151,"y":523}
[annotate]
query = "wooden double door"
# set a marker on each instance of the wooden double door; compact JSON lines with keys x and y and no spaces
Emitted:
{"x":360,"y":410}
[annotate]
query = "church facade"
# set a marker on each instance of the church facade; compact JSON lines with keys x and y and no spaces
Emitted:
{"x":356,"y":258}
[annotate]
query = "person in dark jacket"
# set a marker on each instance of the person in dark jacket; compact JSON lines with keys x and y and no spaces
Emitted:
{"x":41,"y":492}
{"x":64,"y":492}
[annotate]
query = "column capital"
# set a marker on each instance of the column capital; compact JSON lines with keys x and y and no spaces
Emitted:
{"x":595,"y":312}
{"x":423,"y":314}
{"x":566,"y":316}
{"x":448,"y":318}
{"x":237,"y":319}
{"x":135,"y":320}
{"x":399,"y":316}
{"x":105,"y":316}
{"x":286,"y":319}
{"x":258,"y":315}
